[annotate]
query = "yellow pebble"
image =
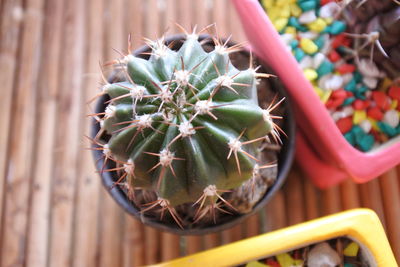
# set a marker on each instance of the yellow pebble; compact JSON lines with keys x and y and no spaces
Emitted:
{"x":295,"y":10}
{"x":308,"y":46}
{"x":351,"y":250}
{"x":319,"y":91}
{"x":310,"y":74}
{"x":385,"y":84}
{"x":359,"y":116}
{"x":291,"y":30}
{"x":317,"y":25}
{"x":285,"y":260}
{"x":328,"y":21}
{"x":285,"y":11}
{"x":282,"y":3}
{"x":267,"y":3}
{"x":280,"y":23}
{"x":256,"y":264}
{"x":274,"y":12}
{"x":374,"y":124}
{"x":394,"y":104}
{"x":326,"y":95}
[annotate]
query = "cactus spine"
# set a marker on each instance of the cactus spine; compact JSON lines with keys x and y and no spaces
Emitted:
{"x":186,"y":125}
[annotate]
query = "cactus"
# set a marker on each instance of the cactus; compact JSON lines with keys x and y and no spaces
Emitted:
{"x":186,"y":125}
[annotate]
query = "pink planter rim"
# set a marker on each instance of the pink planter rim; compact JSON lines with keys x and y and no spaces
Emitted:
{"x":267,"y":44}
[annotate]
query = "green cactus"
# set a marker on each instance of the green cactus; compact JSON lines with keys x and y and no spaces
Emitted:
{"x":186,"y":124}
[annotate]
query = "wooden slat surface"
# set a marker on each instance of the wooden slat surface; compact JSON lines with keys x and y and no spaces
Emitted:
{"x":54,"y":211}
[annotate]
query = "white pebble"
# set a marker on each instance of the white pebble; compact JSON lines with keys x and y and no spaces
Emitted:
{"x":329,"y":10}
{"x":287,"y":38}
{"x":391,"y":117}
{"x":370,"y":82}
{"x":307,"y":17}
{"x":317,"y":60}
{"x":309,"y":35}
{"x":347,"y":78}
{"x":306,"y":62}
{"x":368,"y":68}
{"x":347,"y":111}
{"x":337,"y":115}
{"x":323,"y":255}
{"x":327,"y":45}
{"x":330,"y":82}
{"x":365,"y":125}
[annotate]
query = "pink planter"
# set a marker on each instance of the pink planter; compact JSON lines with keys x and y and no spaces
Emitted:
{"x":330,"y":159}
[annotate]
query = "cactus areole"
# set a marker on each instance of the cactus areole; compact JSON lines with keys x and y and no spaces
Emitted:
{"x":185,"y":125}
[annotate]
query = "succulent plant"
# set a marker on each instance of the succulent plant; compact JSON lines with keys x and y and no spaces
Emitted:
{"x":186,"y":125}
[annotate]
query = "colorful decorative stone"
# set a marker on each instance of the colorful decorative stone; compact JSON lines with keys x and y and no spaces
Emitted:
{"x":351,"y":249}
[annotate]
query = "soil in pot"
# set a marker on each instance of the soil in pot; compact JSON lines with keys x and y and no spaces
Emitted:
{"x":234,"y":205}
{"x":349,"y":51}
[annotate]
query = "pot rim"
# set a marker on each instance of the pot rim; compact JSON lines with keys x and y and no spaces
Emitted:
{"x":120,"y":197}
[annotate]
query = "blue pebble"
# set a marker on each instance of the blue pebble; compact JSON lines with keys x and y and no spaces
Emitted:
{"x":307,"y":5}
{"x":337,"y":27}
{"x":366,"y":142}
{"x":299,"y":54}
{"x":351,"y":86}
{"x":294,"y":43}
{"x":348,"y":101}
{"x":293,"y":21}
{"x":326,"y":67}
{"x":349,"y":136}
{"x":387,"y":129}
{"x":357,"y":76}
{"x":320,"y":41}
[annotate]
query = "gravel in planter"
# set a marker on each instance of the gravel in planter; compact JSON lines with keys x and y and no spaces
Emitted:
{"x":334,"y":252}
{"x":350,"y":54}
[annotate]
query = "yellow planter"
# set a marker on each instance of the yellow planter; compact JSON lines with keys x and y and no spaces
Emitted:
{"x":361,"y":225}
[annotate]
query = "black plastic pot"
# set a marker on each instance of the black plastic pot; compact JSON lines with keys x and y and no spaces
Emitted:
{"x":285,"y":159}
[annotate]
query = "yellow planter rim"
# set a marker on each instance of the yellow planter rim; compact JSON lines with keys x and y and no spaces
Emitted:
{"x":362,"y":225}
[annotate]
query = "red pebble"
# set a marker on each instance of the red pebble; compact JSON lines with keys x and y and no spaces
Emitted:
{"x":381,"y":100}
{"x":349,"y":94}
{"x":375,"y":113}
{"x":358,"y":104}
{"x":324,"y":2}
{"x":344,"y":124}
{"x":334,"y":102}
{"x":272,"y":263}
{"x":394,"y":92}
{"x":334,"y":56}
{"x":340,"y":39}
{"x":367,"y":103}
{"x":346,"y":68}
{"x":339,"y":93}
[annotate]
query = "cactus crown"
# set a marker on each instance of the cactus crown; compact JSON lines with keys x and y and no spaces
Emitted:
{"x":186,"y":124}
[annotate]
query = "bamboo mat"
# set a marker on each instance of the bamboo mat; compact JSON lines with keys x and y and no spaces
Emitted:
{"x":53,"y":209}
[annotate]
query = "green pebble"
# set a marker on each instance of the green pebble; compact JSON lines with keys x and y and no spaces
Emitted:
{"x":358,"y":132}
{"x":349,"y":136}
{"x":360,"y":95}
{"x":349,"y":265}
{"x":299,"y":54}
{"x":398,"y":129}
{"x":320,"y":41}
{"x":351,"y":86}
{"x":293,"y":21}
{"x":357,"y":76}
{"x":337,"y":27}
{"x":348,"y":101}
{"x":325,"y":68}
{"x":294,"y":43}
{"x":307,"y":5}
{"x":342,"y":49}
{"x":387,"y":129}
{"x":366,"y":142}
{"x":327,"y":29}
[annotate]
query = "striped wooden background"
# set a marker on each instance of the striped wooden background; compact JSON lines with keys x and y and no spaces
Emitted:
{"x":53,"y":209}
